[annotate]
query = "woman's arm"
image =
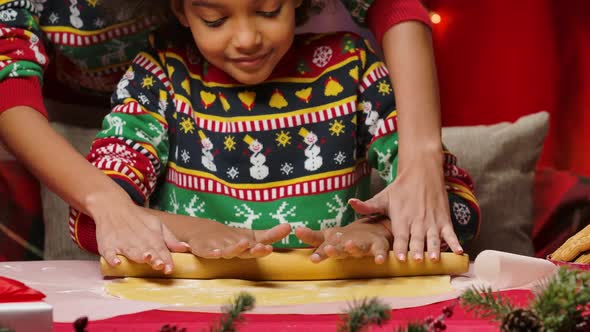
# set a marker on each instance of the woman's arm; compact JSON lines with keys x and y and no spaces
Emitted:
{"x":27,"y":133}
{"x":418,"y":203}
{"x":409,"y":56}
{"x":53,"y":160}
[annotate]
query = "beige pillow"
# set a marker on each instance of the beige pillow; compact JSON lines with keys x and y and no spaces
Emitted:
{"x":501,"y":159}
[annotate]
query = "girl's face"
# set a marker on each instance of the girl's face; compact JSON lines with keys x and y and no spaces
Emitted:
{"x":244,"y":38}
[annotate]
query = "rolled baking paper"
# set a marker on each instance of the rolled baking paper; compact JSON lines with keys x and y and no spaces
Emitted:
{"x":502,"y":270}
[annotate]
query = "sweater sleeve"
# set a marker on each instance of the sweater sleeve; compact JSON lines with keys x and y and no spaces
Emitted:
{"x":382,"y":15}
{"x":23,"y":59}
{"x":377,"y":135}
{"x":132,"y":147}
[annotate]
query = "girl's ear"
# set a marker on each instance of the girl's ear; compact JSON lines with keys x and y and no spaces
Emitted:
{"x":177,"y":7}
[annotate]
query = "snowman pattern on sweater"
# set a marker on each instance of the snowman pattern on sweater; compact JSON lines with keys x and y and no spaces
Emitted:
{"x":207,"y":157}
{"x":258,"y":170}
{"x":313,"y":160}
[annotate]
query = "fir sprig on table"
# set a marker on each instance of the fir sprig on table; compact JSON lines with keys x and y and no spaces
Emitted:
{"x":563,"y":300}
{"x":363,"y":313}
{"x":560,"y":304}
{"x":486,"y":304}
{"x":232,"y":313}
{"x":413,"y":327}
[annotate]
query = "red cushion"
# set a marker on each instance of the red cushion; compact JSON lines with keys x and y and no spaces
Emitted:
{"x":560,"y":197}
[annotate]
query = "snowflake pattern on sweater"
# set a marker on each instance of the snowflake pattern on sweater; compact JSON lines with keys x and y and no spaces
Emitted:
{"x":293,"y":149}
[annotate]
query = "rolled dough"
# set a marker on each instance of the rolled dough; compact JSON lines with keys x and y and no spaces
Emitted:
{"x":197,"y":293}
{"x":292,"y":265}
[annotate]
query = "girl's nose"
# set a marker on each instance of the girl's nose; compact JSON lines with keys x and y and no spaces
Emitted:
{"x":247,"y":39}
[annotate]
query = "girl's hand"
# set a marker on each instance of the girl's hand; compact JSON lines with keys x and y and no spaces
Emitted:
{"x":211,"y":239}
{"x":418,"y":206}
{"x":123,"y":228}
{"x":364,"y":237}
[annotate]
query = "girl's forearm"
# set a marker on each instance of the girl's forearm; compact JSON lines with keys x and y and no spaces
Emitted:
{"x":183,"y":227}
{"x":409,"y":57}
{"x":30,"y":137}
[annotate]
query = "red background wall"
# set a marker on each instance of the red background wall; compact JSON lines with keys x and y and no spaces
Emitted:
{"x":501,"y":59}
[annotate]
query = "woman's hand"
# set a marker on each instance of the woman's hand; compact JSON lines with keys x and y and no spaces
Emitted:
{"x":418,"y":206}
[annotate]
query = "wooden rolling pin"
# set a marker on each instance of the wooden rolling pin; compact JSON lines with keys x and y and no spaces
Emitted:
{"x":290,"y":265}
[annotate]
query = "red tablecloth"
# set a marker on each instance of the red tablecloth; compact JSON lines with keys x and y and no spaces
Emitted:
{"x":152,"y":320}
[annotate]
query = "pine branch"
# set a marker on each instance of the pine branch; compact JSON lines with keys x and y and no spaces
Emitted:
{"x":232,"y":313}
{"x":413,"y":327}
{"x":364,"y":313}
{"x":560,"y":302}
{"x":80,"y":324}
{"x":486,"y":305}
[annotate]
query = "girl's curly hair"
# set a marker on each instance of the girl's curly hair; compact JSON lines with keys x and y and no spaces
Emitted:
{"x":161,"y":9}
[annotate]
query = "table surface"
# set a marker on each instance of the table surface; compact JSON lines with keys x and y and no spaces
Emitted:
{"x":75,"y":289}
{"x":151,"y":321}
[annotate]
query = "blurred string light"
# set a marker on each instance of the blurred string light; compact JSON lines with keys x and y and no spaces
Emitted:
{"x":435,"y":18}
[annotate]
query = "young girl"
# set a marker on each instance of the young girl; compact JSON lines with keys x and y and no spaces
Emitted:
{"x":243,"y":125}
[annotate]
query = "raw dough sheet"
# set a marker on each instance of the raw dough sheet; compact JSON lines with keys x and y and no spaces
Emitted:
{"x":196,"y":293}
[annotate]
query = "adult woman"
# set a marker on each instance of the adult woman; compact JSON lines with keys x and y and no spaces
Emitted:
{"x":92,"y":49}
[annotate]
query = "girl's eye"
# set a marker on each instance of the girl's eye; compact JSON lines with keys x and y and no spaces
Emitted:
{"x":214,"y":24}
{"x":273,"y":13}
